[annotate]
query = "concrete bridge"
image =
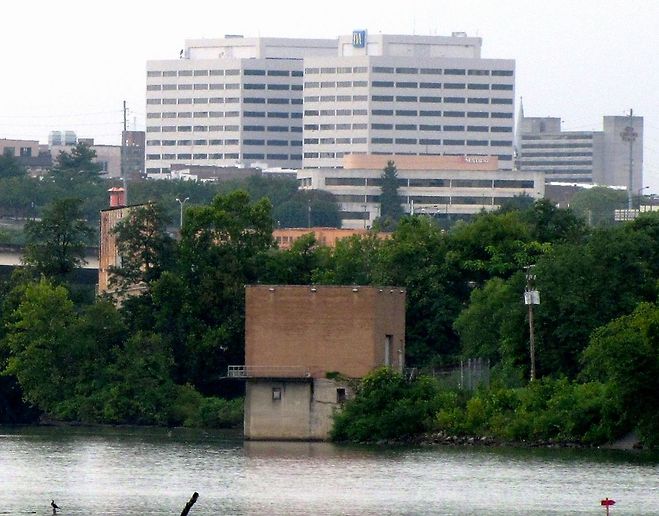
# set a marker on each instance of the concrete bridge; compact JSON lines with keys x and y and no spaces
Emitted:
{"x":10,"y":255}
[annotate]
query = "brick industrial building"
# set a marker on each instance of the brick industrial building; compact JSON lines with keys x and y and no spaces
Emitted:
{"x":302,"y":346}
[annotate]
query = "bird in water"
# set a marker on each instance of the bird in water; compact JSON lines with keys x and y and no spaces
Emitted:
{"x":54,"y":506}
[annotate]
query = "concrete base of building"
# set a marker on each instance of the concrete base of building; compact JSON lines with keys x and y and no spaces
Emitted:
{"x":292,"y":409}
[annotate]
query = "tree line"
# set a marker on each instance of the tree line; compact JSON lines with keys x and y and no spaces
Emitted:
{"x":158,"y":357}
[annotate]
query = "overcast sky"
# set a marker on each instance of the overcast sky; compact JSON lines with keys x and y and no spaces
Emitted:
{"x":70,"y":64}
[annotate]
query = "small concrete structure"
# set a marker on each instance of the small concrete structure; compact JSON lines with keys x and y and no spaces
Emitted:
{"x":303,"y":347}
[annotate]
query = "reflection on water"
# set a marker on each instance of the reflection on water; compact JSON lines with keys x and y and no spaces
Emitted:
{"x":132,"y":471}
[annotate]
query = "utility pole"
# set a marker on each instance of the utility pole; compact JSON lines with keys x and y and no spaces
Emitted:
{"x":629,"y":135}
{"x":531,"y":297}
{"x":123,"y":157}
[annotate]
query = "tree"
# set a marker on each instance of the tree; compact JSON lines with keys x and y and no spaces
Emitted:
{"x":552,"y":224}
{"x":76,"y":166}
{"x":391,"y":210}
{"x":416,"y":258}
{"x":145,"y":248}
{"x":597,"y":205}
{"x":493,"y":325}
{"x":625,"y":355}
{"x":10,"y":167}
{"x":585,"y":286}
{"x":40,"y":342}
{"x":295,"y":266}
{"x":493,"y":244}
{"x":356,"y":260}
{"x":55,"y":244}
{"x":223,"y":247}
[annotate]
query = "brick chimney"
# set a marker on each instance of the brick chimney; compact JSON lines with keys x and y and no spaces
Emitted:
{"x":117,"y":197}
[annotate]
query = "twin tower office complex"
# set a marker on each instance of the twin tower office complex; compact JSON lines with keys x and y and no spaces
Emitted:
{"x":307,"y":103}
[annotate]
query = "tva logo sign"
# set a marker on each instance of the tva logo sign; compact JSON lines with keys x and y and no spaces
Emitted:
{"x":358,"y":38}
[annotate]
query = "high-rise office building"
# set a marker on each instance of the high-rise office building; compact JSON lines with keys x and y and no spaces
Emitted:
{"x":598,"y":157}
{"x":228,"y":101}
{"x":308,"y":102}
{"x":415,"y":95}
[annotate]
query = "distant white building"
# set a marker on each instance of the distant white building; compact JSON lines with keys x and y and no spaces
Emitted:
{"x":304,"y":103}
{"x":593,"y":157}
{"x":228,"y":101}
{"x":407,"y":95}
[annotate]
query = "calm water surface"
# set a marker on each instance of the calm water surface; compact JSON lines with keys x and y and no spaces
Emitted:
{"x":153,"y":471}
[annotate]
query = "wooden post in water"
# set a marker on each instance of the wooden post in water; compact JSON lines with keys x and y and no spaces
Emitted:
{"x":190,"y":503}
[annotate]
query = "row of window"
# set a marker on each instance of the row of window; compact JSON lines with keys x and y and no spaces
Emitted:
{"x":229,"y":114}
{"x":211,"y":114}
{"x":423,"y":113}
{"x":223,"y":86}
{"x":219,"y":155}
{"x":169,"y":143}
{"x":334,"y":127}
{"x":309,"y":99}
{"x":316,"y":155}
{"x":408,"y":84}
{"x":431,"y":183}
{"x":410,"y":71}
{"x":556,"y":154}
{"x":558,"y":162}
{"x":220,"y":72}
{"x":557,"y":146}
{"x":224,"y":100}
{"x":406,"y":141}
{"x":565,"y":136}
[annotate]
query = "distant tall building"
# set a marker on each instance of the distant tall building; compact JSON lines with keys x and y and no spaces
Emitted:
{"x":415,"y":95}
{"x":62,"y":138}
{"x":308,"y":102}
{"x":132,"y":154}
{"x":228,"y":101}
{"x":599,"y":157}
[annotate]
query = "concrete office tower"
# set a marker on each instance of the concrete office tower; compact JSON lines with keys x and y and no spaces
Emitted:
{"x":598,"y":157}
{"x":417,"y":95}
{"x":228,"y":101}
{"x":615,"y":159}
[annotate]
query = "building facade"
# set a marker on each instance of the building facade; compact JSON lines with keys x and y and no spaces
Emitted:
{"x":286,"y":237}
{"x":228,"y":101}
{"x":306,"y":103}
{"x":414,"y":95}
{"x":591,"y":157}
{"x":438,"y":186}
{"x":303,"y":344}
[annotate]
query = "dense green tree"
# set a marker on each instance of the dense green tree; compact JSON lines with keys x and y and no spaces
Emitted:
{"x":56,"y":243}
{"x":145,"y":247}
{"x":76,"y":166}
{"x":552,"y":224}
{"x":625,"y":355}
{"x":297,"y":265}
{"x":223,"y":247}
{"x":583,"y":287}
{"x":40,"y":343}
{"x":597,"y":205}
{"x":141,"y":390}
{"x":357,"y":260}
{"x":11,"y":167}
{"x":493,"y":326}
{"x":391,"y":210}
{"x":493,"y":244}
{"x":415,"y":258}
{"x":386,"y":406}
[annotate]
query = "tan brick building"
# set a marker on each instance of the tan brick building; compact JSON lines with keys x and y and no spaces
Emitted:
{"x":285,"y":237}
{"x":303,"y":344}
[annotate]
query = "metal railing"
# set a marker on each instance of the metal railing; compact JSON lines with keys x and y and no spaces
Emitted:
{"x":244,"y":371}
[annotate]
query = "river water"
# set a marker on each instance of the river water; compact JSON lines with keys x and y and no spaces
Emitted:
{"x":131,"y":471}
